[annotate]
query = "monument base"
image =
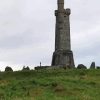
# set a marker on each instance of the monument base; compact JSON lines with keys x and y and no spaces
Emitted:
{"x":63,"y":58}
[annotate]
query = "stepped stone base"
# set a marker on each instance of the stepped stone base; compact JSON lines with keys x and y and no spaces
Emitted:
{"x":63,"y":58}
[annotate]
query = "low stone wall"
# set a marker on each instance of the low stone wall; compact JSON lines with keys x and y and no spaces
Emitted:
{"x":51,"y":67}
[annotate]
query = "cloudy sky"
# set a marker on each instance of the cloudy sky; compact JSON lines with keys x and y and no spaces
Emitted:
{"x":27,"y":32}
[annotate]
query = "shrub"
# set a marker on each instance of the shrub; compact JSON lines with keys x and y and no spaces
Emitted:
{"x":98,"y":67}
{"x":8,"y":69}
{"x":25,"y":68}
{"x":81,"y":66}
{"x":54,"y":84}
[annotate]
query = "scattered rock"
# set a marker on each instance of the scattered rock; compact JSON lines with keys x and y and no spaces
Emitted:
{"x":59,"y":88}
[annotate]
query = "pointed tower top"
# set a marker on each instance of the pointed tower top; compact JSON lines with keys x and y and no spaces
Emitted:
{"x":60,"y":1}
{"x":60,"y":4}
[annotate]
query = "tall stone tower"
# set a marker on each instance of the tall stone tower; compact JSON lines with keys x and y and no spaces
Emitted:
{"x":63,"y":56}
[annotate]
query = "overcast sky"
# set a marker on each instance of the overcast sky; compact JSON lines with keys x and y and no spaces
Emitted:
{"x":27,"y":32}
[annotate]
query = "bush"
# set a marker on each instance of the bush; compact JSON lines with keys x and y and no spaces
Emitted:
{"x":8,"y":69}
{"x":98,"y":67}
{"x":26,"y":68}
{"x":81,"y":66}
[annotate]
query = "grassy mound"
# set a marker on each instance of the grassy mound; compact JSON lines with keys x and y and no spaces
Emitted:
{"x":72,"y":84}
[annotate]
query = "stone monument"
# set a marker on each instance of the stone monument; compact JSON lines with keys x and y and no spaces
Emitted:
{"x":63,"y":56}
{"x":92,"y":65}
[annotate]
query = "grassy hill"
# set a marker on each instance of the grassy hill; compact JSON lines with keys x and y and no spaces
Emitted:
{"x":72,"y":84}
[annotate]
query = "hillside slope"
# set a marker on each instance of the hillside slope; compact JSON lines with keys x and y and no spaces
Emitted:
{"x":50,"y":85}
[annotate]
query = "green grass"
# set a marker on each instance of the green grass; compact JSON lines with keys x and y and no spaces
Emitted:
{"x":72,"y":84}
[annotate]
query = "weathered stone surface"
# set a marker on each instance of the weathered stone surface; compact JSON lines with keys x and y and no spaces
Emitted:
{"x":92,"y":65}
{"x":63,"y":56}
{"x":81,"y":66}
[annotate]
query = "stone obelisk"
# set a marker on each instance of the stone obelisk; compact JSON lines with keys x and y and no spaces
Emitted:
{"x":63,"y":56}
